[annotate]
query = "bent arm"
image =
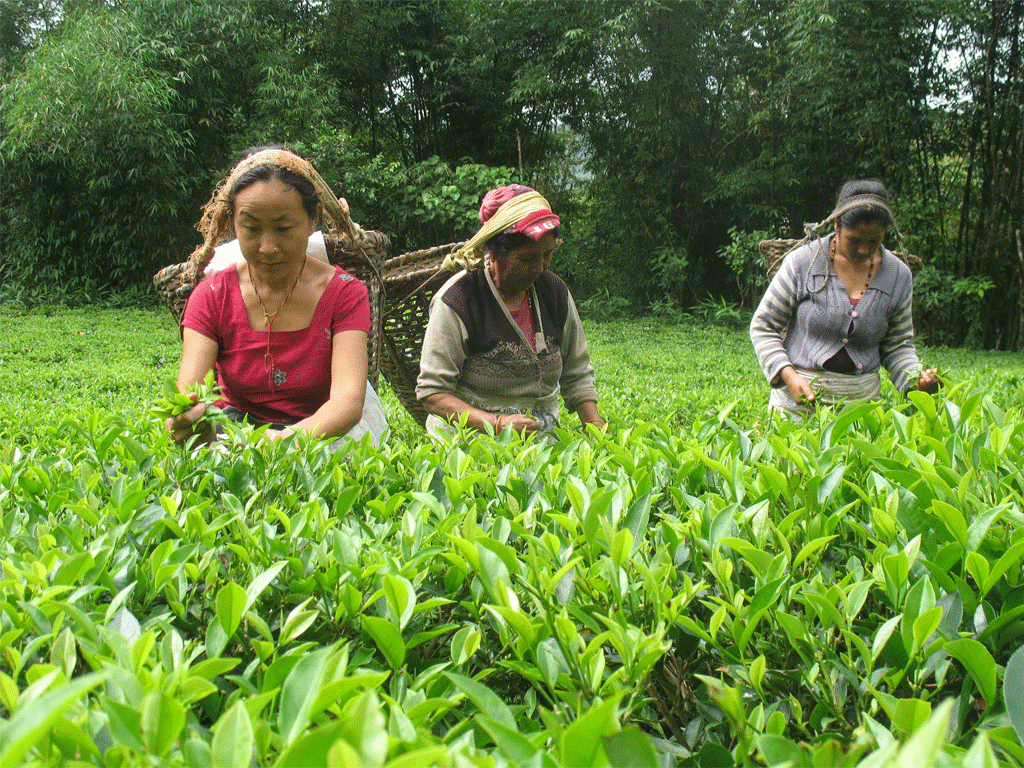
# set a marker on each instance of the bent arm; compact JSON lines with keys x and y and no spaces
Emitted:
{"x":447,"y":406}
{"x":896,"y":351}
{"x":445,"y":348}
{"x":198,"y":356}
{"x":344,"y":406}
{"x":588,"y":413}
{"x":769,"y":323}
{"x":577,"y":379}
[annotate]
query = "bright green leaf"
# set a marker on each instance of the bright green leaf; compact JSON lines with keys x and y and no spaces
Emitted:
{"x":979,"y":664}
{"x":231,"y":601}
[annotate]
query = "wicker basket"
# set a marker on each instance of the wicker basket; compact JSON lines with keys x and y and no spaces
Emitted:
{"x":410,"y":281}
{"x":775,"y":251}
{"x":365,"y":264}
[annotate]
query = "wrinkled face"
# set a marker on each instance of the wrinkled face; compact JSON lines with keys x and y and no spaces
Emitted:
{"x":860,"y":242}
{"x":272,"y":226}
{"x":522,"y":266}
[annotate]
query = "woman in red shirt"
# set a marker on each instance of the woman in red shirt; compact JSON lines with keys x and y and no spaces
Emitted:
{"x":286,"y":333}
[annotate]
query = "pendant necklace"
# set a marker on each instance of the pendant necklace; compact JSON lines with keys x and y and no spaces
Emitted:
{"x":268,"y":321}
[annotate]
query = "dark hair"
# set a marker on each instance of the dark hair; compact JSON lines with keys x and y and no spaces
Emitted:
{"x":501,"y":245}
{"x":860,"y":215}
{"x":306,"y":190}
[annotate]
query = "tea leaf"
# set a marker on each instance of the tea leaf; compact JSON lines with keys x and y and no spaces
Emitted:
{"x":484,"y":699}
{"x":258,"y":585}
{"x":300,"y":690}
{"x":401,"y":598}
{"x":366,"y":729}
{"x":387,"y":638}
{"x":231,"y":600}
{"x":511,"y":744}
{"x":979,"y":664}
{"x":162,"y":720}
{"x":1013,"y":691}
{"x":910,"y":715}
{"x":925,"y":741}
{"x":232,"y":743}
{"x":581,"y":743}
{"x":631,"y":748}
{"x":28,"y":725}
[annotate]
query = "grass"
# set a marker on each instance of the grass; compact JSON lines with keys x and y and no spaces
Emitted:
{"x":56,"y":363}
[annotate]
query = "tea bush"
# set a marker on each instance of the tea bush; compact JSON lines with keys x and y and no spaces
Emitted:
{"x":702,"y":585}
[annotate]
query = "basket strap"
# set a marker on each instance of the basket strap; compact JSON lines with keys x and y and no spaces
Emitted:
{"x":412,"y":256}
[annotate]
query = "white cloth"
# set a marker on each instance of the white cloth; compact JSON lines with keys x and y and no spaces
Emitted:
{"x":373,"y":420}
{"x":829,"y":389}
{"x":230,"y":253}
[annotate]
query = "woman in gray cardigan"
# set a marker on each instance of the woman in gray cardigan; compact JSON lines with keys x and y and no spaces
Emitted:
{"x":838,"y":308}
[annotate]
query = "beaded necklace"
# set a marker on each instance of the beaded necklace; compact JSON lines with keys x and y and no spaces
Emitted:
{"x":871,"y":264}
{"x":268,"y":321}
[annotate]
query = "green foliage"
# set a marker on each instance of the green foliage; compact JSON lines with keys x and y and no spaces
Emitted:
{"x":291,"y":105}
{"x":58,"y":361}
{"x":115,"y":128}
{"x":747,"y":264}
{"x":48,"y":287}
{"x":700,"y":584}
{"x":948,"y":309}
{"x":721,"y":312}
{"x":421,"y":205}
{"x":452,"y":78}
{"x":100,"y":140}
{"x":175,"y":402}
{"x":657,"y":128}
{"x":93,"y":150}
{"x":604,"y":305}
{"x":649,"y":157}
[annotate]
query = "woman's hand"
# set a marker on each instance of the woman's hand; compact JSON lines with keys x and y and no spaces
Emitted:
{"x":799,"y":387}
{"x":520,"y":422}
{"x":278,"y":434}
{"x":588,"y":413}
{"x":182,"y":426}
{"x":929,"y":381}
{"x":198,"y":356}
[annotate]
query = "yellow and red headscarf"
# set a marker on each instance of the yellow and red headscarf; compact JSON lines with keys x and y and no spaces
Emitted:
{"x":508,"y":209}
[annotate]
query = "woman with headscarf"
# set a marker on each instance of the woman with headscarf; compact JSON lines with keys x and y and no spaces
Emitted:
{"x":838,"y":308}
{"x":504,"y":338}
{"x":285,"y":333}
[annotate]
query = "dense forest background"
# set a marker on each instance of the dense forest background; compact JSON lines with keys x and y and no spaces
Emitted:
{"x":671,"y":135}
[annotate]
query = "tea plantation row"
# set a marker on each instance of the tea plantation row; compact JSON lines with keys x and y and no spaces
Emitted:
{"x":702,"y":585}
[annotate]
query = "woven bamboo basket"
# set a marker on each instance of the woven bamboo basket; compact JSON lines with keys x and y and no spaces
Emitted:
{"x":774,"y":251}
{"x":410,"y":281}
{"x":366,"y":264}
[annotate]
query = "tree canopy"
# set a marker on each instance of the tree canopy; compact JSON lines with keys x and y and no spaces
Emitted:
{"x":663,"y":129}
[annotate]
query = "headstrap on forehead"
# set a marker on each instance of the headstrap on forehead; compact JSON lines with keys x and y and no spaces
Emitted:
{"x":855,"y":201}
{"x":216,"y":213}
{"x":868,"y":201}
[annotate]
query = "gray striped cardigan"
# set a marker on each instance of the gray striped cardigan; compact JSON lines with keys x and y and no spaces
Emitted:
{"x":808,"y":298}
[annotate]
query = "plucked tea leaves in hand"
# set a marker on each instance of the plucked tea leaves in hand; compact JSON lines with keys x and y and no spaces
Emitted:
{"x":175,"y":402}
